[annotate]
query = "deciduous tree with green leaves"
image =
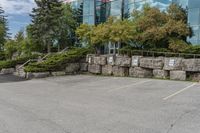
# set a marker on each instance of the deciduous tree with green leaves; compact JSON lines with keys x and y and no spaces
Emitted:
{"x":157,"y":29}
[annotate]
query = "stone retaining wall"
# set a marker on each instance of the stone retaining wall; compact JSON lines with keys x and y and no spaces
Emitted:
{"x":136,"y":66}
{"x":145,"y":67}
{"x":70,"y":68}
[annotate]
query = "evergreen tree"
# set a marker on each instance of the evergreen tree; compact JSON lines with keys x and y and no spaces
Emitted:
{"x":68,"y":25}
{"x":46,"y":19}
{"x":3,"y":28}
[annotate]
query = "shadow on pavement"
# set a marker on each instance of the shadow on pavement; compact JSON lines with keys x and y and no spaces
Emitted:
{"x":10,"y":78}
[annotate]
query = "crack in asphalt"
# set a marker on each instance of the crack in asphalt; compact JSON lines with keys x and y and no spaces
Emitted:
{"x":177,"y":120}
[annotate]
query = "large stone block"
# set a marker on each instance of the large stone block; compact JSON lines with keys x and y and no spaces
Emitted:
{"x":96,"y":69}
{"x":7,"y":70}
{"x":20,"y":73}
{"x":72,"y":68}
{"x":58,"y":73}
{"x":135,"y":61}
{"x":173,"y":63}
{"x":195,"y":76}
{"x":100,"y":60}
{"x":107,"y":70}
{"x":111,"y":59}
{"x":178,"y":75}
{"x":139,"y":72}
{"x":90,"y":58}
{"x":38,"y":75}
{"x":124,"y":61}
{"x":157,"y":73}
{"x":120,"y":71}
{"x":152,"y":63}
{"x":84,"y":67}
{"x":29,"y":75}
{"x":191,"y":65}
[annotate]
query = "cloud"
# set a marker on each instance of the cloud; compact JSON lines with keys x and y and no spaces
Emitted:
{"x":18,"y":7}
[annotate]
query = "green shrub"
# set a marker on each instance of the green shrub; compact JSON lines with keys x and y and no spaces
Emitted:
{"x":58,"y":61}
{"x":192,"y":49}
{"x":13,"y":63}
{"x":2,"y":55}
{"x":7,"y":64}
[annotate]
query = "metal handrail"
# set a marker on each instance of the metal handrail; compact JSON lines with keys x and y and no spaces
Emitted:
{"x":156,"y":52}
{"x":64,"y":50}
{"x":41,"y":59}
{"x":24,"y":64}
{"x":45,"y":56}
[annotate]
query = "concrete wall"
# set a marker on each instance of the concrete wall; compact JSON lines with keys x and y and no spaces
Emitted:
{"x":145,"y":67}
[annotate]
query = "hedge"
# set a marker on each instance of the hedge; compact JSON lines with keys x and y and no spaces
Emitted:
{"x":58,"y":61}
{"x":13,"y":63}
{"x":2,"y":55}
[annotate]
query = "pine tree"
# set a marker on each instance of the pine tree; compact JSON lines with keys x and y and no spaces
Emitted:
{"x":3,"y":28}
{"x":46,"y":19}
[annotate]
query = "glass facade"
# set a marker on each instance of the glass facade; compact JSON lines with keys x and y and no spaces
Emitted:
{"x":194,"y":20}
{"x":97,"y":11}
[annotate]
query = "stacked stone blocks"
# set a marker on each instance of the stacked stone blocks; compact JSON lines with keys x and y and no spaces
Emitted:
{"x":174,"y":68}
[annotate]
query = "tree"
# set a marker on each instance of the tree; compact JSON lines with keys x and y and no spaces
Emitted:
{"x":121,"y":31}
{"x":10,"y":48}
{"x":68,"y":24}
{"x":177,"y":45}
{"x":19,"y":38}
{"x":155,"y":28}
{"x":46,"y":19}
{"x":34,"y":42}
{"x":3,"y":28}
{"x":84,"y":33}
{"x":113,"y":30}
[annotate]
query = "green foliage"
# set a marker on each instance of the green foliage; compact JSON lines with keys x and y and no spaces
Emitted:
{"x":114,"y":30}
{"x":58,"y":61}
{"x":155,"y":29}
{"x":53,"y":25}
{"x":148,"y":28}
{"x":68,"y":24}
{"x":19,"y":60}
{"x":46,"y":19}
{"x":177,"y":45}
{"x":10,"y":48}
{"x":7,"y":64}
{"x":3,"y":28}
{"x":192,"y":49}
{"x":2,"y":55}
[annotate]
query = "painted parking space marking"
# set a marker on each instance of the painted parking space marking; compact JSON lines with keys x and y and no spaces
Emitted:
{"x":180,"y":91}
{"x":127,"y":86}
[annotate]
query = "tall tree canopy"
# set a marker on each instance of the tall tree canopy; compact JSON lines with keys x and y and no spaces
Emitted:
{"x":148,"y":28}
{"x":157,"y":29}
{"x":46,"y":21}
{"x":3,"y":28}
{"x":68,"y":25}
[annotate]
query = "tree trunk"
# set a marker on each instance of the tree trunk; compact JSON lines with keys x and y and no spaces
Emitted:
{"x":48,"y":47}
{"x":58,"y":47}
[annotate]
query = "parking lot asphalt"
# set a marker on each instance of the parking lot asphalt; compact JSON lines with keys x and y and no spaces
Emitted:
{"x":97,"y":104}
{"x":6,"y":78}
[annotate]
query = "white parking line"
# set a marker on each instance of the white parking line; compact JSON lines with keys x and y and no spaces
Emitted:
{"x":178,"y":92}
{"x":124,"y":87}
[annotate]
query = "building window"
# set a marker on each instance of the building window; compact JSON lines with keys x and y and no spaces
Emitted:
{"x":113,"y":48}
{"x":193,"y":16}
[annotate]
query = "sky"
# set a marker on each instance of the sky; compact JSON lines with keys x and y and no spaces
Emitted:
{"x":17,"y":12}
